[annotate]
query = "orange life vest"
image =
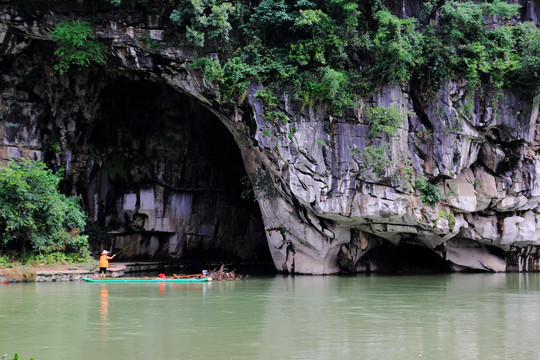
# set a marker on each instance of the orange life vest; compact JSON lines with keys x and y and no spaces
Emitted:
{"x":104,"y":261}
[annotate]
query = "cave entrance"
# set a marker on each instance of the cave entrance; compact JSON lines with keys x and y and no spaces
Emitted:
{"x":166,"y":174}
{"x":404,"y":258}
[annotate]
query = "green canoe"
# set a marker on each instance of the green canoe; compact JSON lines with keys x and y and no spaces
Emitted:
{"x":159,"y":280}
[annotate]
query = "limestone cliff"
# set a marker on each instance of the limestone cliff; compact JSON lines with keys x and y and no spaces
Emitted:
{"x":154,"y":155}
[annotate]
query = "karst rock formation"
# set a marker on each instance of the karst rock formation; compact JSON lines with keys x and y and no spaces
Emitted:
{"x":153,"y":154}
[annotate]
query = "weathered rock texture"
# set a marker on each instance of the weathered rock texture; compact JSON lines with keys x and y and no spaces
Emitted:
{"x":153,"y":166}
{"x":141,"y":140}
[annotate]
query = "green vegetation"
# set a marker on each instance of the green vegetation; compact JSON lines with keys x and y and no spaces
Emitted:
{"x":23,"y":263}
{"x":15,"y":357}
{"x":75,"y":46}
{"x":270,"y":103}
{"x":35,"y":217}
{"x":333,"y":52}
{"x":450,"y":217}
{"x":149,"y":43}
{"x":384,"y":119}
{"x":461,"y":46}
{"x":526,"y":71}
{"x":377,"y":158}
{"x":232,"y":78}
{"x":405,"y":171}
{"x":396,"y":48}
{"x":204,"y":19}
{"x":429,"y":194}
{"x":268,"y":99}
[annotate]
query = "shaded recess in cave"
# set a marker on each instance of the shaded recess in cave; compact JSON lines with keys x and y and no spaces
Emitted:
{"x":162,"y":169}
{"x":404,"y":258}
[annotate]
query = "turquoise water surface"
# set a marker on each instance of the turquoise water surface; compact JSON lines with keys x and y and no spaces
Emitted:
{"x":457,"y":316}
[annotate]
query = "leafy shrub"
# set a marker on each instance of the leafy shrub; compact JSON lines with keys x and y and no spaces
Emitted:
{"x":502,"y":9}
{"x":328,"y":85}
{"x":270,"y":103}
{"x":396,"y":48}
{"x":332,"y":83}
{"x":58,"y":257}
{"x":429,"y":194}
{"x":384,"y":119}
{"x":450,"y":217}
{"x":233,"y":77}
{"x":76,"y":46}
{"x":268,"y":99}
{"x":526,"y":70}
{"x":236,"y":77}
{"x":335,"y":51}
{"x":275,"y":116}
{"x":347,"y":11}
{"x":319,"y":39}
{"x":34,"y":215}
{"x":460,"y":45}
{"x":270,"y":14}
{"x":6,"y":262}
{"x":377,"y":158}
{"x":202,"y":18}
{"x":210,"y":68}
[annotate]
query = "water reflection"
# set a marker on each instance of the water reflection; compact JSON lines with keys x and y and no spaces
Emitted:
{"x":103,"y":307}
{"x":460,"y":316}
{"x":162,"y":289}
{"x":456,"y":316}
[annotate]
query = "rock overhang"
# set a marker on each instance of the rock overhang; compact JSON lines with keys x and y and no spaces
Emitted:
{"x":482,"y":158}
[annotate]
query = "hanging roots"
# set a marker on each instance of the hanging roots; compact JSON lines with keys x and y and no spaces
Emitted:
{"x":223,"y":274}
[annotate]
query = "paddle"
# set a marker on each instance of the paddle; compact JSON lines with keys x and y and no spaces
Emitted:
{"x":133,"y":243}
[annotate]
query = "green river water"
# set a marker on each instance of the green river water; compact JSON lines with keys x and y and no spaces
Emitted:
{"x":457,"y":316}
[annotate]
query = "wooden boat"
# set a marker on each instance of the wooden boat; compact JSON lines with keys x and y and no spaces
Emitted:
{"x":175,"y":279}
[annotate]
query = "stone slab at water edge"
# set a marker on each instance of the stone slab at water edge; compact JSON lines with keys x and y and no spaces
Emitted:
{"x":58,"y":273}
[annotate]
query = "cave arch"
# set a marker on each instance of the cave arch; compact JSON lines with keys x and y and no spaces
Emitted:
{"x":163,"y":172}
{"x":404,"y":258}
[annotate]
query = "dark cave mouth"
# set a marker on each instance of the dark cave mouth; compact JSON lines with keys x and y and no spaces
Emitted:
{"x":404,"y":259}
{"x":148,"y":135}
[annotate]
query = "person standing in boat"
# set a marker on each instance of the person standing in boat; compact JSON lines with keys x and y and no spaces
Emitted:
{"x":104,"y":263}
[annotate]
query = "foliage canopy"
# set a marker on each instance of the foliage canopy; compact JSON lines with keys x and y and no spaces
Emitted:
{"x":336,"y":51}
{"x":34,"y":215}
{"x":76,"y":46}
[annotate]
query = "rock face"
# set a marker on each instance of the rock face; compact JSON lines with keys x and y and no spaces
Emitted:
{"x":154,"y":167}
{"x":157,"y":159}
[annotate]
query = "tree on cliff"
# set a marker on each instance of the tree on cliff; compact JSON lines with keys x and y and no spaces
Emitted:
{"x":328,"y":51}
{"x":76,"y":46}
{"x":34,"y":215}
